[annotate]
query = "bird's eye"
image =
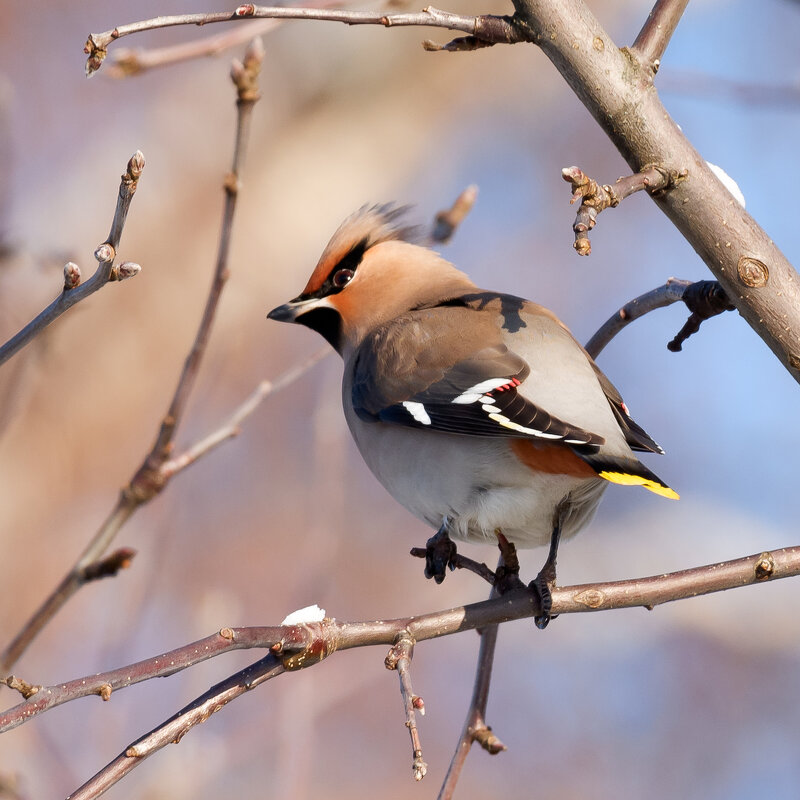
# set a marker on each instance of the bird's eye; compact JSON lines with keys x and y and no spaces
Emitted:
{"x":342,"y":277}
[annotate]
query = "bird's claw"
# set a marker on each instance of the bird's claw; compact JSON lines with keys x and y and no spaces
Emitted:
{"x":542,"y":586}
{"x":440,"y":553}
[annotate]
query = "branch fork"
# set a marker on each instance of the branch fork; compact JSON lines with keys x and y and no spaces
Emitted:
{"x":595,"y":197}
{"x":72,"y":291}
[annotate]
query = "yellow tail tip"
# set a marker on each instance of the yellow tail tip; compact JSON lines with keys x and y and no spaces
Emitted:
{"x":627,"y":479}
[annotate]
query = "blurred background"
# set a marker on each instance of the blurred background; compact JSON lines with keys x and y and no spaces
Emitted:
{"x":695,"y":699}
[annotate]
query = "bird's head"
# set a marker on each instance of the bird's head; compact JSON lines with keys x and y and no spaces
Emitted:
{"x":371,"y":271}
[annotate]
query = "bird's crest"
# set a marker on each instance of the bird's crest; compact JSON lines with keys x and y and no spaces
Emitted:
{"x":368,"y":226}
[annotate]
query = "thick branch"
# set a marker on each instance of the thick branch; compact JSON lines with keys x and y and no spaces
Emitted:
{"x":618,"y":92}
{"x":105,"y":254}
{"x":654,"y":36}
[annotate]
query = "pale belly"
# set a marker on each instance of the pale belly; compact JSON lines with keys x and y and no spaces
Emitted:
{"x":476,"y":483}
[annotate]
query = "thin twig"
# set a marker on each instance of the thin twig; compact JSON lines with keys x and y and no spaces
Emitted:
{"x":173,"y":730}
{"x":447,"y":221}
{"x":399,"y":658}
{"x":243,"y":76}
{"x":704,"y":299}
{"x":656,"y":32}
{"x":151,"y":477}
{"x":475,"y":727}
{"x":595,"y":198}
{"x":232,"y":426}
{"x":303,"y":645}
{"x":485,"y":27}
{"x":671,"y":292}
{"x":161,"y":666}
{"x":127,"y":62}
{"x":105,"y":254}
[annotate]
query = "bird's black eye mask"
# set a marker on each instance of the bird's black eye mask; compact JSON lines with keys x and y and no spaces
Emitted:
{"x":341,"y":274}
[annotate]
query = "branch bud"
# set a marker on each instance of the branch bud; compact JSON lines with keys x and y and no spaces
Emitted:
{"x":127,"y":269}
{"x":105,"y":252}
{"x":96,"y":53}
{"x":245,"y":10}
{"x":254,"y":55}
{"x":136,"y":165}
{"x":72,"y":275}
{"x":245,"y":75}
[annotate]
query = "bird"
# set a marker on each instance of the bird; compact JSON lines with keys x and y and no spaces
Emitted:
{"x":477,"y":410}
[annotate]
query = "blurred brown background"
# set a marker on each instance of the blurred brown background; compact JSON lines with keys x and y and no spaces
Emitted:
{"x":697,"y":699}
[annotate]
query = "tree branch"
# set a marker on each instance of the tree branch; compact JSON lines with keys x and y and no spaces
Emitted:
{"x":399,"y":658}
{"x":485,"y":27}
{"x":232,"y":426}
{"x":475,"y":728}
{"x":304,"y":644}
{"x":173,"y":730}
{"x":93,"y":565}
{"x":128,"y":62}
{"x":448,"y":220}
{"x":595,"y":198}
{"x":654,"y":36}
{"x":671,"y":292}
{"x":156,"y":470}
{"x":618,"y":91}
{"x":704,"y":299}
{"x":106,"y":272}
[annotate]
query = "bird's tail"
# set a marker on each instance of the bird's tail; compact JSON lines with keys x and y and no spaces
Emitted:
{"x":628,"y":472}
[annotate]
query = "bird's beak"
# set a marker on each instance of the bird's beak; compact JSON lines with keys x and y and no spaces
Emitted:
{"x":289,"y":312}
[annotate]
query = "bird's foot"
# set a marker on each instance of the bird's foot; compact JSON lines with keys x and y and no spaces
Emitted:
{"x":542,"y":585}
{"x":440,"y":553}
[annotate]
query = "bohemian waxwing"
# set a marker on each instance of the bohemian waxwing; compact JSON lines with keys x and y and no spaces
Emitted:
{"x":478,"y":411}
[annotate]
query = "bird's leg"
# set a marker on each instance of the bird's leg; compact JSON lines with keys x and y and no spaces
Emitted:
{"x":544,"y":582}
{"x":440,"y":553}
{"x":506,"y":576}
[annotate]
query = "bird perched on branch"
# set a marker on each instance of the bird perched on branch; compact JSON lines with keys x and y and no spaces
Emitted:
{"x":478,"y":411}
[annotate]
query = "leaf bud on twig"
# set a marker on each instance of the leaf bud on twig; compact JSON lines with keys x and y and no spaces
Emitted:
{"x":72,"y":275}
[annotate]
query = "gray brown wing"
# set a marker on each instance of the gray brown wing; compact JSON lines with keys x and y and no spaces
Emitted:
{"x":445,"y":369}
